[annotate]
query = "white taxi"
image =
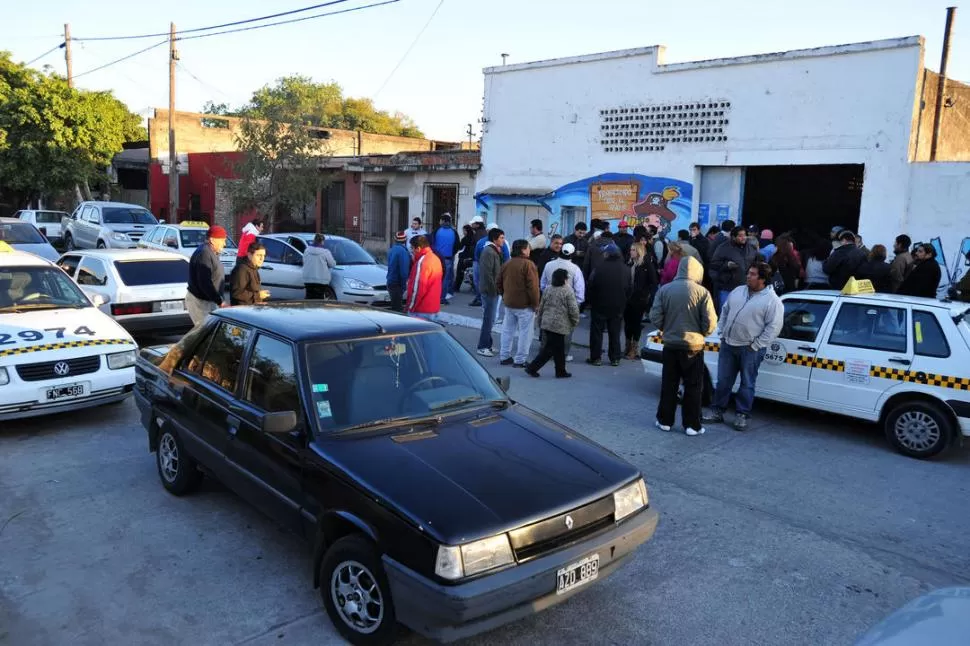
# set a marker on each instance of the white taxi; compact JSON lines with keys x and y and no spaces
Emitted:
{"x":184,"y":238}
{"x":901,"y":361}
{"x":142,"y":289}
{"x":58,"y":351}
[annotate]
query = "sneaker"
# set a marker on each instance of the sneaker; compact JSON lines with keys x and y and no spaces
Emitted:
{"x":476,"y":303}
{"x":714,"y":417}
{"x":486,"y":352}
{"x":519,"y":365}
{"x":662,"y":427}
{"x":569,"y":358}
{"x":692,"y":432}
{"x":530,"y":372}
{"x":448,"y":297}
{"x":564,"y":375}
{"x":594,"y":362}
{"x":506,"y":362}
{"x":741,"y":421}
{"x":614,"y":363}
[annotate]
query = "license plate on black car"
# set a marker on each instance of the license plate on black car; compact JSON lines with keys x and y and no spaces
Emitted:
{"x":576,"y":574}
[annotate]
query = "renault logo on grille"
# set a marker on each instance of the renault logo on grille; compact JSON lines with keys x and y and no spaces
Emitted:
{"x":569,"y":522}
{"x":61,"y":369}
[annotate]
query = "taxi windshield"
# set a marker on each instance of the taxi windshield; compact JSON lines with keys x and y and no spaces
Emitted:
{"x":29,"y":288}
{"x":386,"y":381}
{"x":20,"y":233}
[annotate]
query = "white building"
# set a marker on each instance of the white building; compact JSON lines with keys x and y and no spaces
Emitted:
{"x":801,"y":140}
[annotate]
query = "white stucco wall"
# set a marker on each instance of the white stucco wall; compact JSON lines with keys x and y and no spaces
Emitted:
{"x":939,"y":206}
{"x":412,"y":186}
{"x":847,"y":104}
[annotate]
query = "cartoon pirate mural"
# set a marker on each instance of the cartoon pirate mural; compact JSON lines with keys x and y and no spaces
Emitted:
{"x":654,"y":210}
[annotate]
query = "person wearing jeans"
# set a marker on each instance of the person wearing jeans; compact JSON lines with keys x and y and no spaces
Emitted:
{"x":608,"y":291}
{"x":518,"y":285}
{"x":489,"y":270}
{"x":751,"y":318}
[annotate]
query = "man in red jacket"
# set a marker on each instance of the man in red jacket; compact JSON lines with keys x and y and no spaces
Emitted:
{"x":424,"y":283}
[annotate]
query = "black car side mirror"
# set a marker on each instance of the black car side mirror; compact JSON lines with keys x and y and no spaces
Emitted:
{"x":280,"y":423}
{"x":504,"y":383}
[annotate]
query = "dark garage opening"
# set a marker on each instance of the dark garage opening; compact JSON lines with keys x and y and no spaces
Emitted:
{"x":806,"y":200}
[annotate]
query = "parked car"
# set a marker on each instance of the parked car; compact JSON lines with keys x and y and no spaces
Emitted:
{"x":143,"y":289}
{"x":901,"y":361}
{"x":938,"y":618}
{"x":106,"y":225}
{"x":429,"y":497}
{"x":24,"y":236}
{"x":58,"y":352}
{"x":357,"y":278}
{"x":47,"y":222}
{"x":184,"y":238}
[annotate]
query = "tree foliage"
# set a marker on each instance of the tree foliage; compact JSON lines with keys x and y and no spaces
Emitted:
{"x":53,"y":137}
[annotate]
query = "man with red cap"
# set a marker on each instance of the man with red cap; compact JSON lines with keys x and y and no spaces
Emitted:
{"x":207,"y":278}
{"x":624,"y":240}
{"x":424,"y":283}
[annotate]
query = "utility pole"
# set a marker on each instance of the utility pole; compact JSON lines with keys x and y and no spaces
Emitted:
{"x":67,"y":55}
{"x":941,"y":87}
{"x":470,"y":132}
{"x":173,"y":174}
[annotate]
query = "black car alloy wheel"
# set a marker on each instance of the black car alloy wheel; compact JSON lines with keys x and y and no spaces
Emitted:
{"x":178,"y":471}
{"x":356,"y":594}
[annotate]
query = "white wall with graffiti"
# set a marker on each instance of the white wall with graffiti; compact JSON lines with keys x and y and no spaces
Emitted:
{"x":938,"y":211}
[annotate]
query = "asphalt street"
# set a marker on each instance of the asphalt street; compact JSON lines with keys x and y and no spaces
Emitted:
{"x":806,"y":529}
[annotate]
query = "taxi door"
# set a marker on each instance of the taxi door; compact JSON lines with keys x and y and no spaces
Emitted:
{"x":854,"y":367}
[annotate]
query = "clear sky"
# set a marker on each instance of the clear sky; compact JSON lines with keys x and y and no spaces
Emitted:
{"x":440,"y":82}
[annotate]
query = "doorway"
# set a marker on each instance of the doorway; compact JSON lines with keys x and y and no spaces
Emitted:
{"x":806,"y":200}
{"x":399,"y":214}
{"x":438,"y":200}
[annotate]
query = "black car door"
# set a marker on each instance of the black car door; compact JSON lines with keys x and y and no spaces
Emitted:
{"x":269,"y":466}
{"x":204,"y":387}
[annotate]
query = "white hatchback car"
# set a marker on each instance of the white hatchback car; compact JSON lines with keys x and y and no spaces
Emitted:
{"x":184,"y":238}
{"x":58,"y":352}
{"x":901,"y":361}
{"x":143,"y":289}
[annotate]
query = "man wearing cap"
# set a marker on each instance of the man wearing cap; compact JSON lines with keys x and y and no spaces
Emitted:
{"x":767,"y":244}
{"x":444,"y":243}
{"x":398,"y":270}
{"x":624,"y":240}
{"x":207,"y":278}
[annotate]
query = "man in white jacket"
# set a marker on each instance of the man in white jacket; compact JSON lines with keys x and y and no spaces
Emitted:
{"x":751,"y":319}
{"x":317,"y":263}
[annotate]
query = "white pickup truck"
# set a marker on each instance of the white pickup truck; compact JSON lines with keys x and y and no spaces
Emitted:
{"x":106,"y":225}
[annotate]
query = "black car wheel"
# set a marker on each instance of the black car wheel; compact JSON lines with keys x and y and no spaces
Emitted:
{"x":328,"y":293}
{"x":101,"y":244}
{"x":178,"y":471}
{"x":69,"y":242}
{"x":356,"y":594}
{"x":919,"y":429}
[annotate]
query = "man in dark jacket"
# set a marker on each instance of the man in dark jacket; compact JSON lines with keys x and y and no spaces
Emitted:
{"x":398,"y":270}
{"x":726,"y":228}
{"x":444,"y":243}
{"x":876,"y":269}
{"x":624,"y":240}
{"x":607,"y":292}
{"x":845,"y":260}
{"x":730,"y":262}
{"x":594,"y":253}
{"x":580,"y":242}
{"x":700,"y":242}
{"x":207,"y":278}
{"x":489,"y":267}
{"x":924,"y":279}
{"x":551,"y":252}
{"x":245,"y":287}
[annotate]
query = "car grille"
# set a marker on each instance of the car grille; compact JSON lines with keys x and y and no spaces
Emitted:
{"x":553,"y":533}
{"x":136,"y":235}
{"x":44,"y":371}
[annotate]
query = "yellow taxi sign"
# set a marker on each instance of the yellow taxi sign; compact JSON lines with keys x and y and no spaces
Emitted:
{"x":4,"y":247}
{"x":196,"y":224}
{"x":854,"y":287}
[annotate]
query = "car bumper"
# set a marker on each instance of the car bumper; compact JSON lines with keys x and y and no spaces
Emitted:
{"x":652,"y":361}
{"x":447,"y":613}
{"x":23,"y":403}
{"x":361,"y":297}
{"x":169,"y":323}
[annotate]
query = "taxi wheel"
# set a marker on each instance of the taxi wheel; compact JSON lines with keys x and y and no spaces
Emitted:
{"x":179,"y":473}
{"x":356,"y":594}
{"x":919,"y":429}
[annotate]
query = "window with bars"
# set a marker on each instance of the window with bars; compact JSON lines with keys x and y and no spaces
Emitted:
{"x":374,"y":224}
{"x":334,"y":205}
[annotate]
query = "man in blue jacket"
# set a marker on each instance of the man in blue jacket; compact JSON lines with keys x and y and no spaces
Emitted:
{"x":398,"y":270}
{"x":444,"y":243}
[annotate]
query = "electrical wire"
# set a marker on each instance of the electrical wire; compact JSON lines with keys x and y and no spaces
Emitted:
{"x":52,"y":49}
{"x":413,"y":43}
{"x":227,"y":24}
{"x":200,"y":81}
{"x":123,"y":58}
{"x":292,"y":20}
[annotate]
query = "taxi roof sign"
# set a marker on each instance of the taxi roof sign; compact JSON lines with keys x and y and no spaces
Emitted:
{"x":198,"y":224}
{"x":854,"y":287}
{"x":4,"y":247}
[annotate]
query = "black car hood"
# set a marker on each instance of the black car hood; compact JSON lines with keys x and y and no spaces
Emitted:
{"x":472,"y":477}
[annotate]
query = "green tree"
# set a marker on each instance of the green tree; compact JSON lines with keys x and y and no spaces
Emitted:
{"x":52,"y":137}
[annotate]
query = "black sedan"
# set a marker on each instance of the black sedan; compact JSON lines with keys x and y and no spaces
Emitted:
{"x":429,"y":498}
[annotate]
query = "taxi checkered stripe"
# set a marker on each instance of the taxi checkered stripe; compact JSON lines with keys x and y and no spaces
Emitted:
{"x":710,"y":347}
{"x":63,"y":345}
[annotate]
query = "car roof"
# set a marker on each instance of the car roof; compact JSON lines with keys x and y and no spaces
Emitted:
{"x":322,"y":321}
{"x":17,"y":258}
{"x":121,"y":204}
{"x":301,"y":234}
{"x":888,"y":299}
{"x":127,"y":254}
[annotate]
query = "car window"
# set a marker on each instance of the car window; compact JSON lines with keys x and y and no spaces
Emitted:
{"x":49,"y":217}
{"x":154,"y":236}
{"x":90,"y":214}
{"x":92,"y":272}
{"x":874,"y":327}
{"x":274,"y":249}
{"x":272,"y":384}
{"x":153,"y":272}
{"x":222,"y":355}
{"x":69,"y":264}
{"x":348,"y":252}
{"x":297,"y":243}
{"x":928,"y":337}
{"x":128,"y":215}
{"x":803,"y":319}
{"x":20,"y":233}
{"x":171,"y":238}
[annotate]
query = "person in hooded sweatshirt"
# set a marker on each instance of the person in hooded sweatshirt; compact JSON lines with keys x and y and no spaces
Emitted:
{"x":249,"y":233}
{"x":607,"y":291}
{"x":684,"y":312}
{"x":317,"y":263}
{"x":558,"y":316}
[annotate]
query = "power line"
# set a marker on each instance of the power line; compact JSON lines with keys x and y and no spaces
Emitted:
{"x":292,"y":20}
{"x":182,"y":67}
{"x":49,"y":51}
{"x":123,"y":58}
{"x":413,"y":43}
{"x":227,"y":24}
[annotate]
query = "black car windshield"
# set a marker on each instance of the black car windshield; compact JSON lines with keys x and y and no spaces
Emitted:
{"x":379,"y":381}
{"x":20,"y":233}
{"x":348,"y":252}
{"x":122,"y":215}
{"x":193,"y":237}
{"x":136,"y":273}
{"x":33,"y":288}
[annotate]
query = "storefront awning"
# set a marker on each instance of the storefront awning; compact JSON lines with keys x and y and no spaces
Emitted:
{"x":511,"y":191}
